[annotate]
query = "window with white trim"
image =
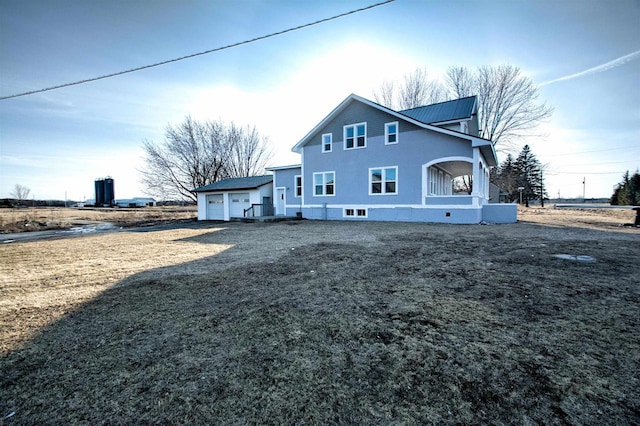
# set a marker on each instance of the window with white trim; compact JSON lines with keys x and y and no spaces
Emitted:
{"x":355,"y":136}
{"x":298,"y":192}
{"x":391,"y":133}
{"x":324,"y":183}
{"x":383,"y":180}
{"x":353,"y":212}
{"x":440,"y":182}
{"x":326,"y":142}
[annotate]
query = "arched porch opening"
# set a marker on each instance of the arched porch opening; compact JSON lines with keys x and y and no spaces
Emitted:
{"x":439,"y":181}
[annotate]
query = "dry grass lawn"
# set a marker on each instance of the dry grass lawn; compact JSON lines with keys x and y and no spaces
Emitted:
{"x":326,"y":323}
{"x":47,"y":218}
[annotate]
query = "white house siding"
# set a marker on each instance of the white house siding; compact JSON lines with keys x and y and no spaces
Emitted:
{"x":202,"y":206}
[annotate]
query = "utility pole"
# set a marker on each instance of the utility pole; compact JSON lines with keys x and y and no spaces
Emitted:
{"x":541,"y":190}
{"x":520,"y":188}
{"x":584,"y":180}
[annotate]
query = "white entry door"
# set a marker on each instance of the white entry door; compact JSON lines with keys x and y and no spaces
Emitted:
{"x":239,"y":202}
{"x":280,"y":202}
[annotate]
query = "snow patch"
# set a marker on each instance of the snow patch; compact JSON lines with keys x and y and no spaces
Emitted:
{"x":576,"y":258}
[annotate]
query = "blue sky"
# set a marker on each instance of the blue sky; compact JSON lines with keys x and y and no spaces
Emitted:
{"x":584,"y":55}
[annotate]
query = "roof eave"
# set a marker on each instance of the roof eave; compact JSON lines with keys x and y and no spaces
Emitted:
{"x":275,"y":168}
{"x":455,"y":120}
{"x":487,"y":149}
{"x":240,"y":188}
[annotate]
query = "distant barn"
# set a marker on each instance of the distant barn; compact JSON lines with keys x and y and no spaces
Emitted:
{"x":136,"y":202}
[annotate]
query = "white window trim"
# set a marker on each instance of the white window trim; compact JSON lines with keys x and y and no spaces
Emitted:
{"x":383,"y":182}
{"x":355,"y":212}
{"x":355,"y":136}
{"x":330,"y":142}
{"x":386,"y":133}
{"x":324,"y":184}
{"x":295,"y":186}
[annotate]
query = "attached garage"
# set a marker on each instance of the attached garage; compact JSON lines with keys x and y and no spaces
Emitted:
{"x":231,"y":198}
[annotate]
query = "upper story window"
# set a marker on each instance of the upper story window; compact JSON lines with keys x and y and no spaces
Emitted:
{"x":355,"y":136}
{"x":324,"y":183}
{"x":391,"y":133}
{"x":298,"y":192}
{"x":383,"y":180}
{"x":326,"y":142}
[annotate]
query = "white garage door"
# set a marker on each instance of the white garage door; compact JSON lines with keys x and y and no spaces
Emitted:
{"x":215,"y":207}
{"x":239,"y":202}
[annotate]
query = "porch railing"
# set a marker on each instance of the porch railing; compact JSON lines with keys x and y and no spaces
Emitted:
{"x":257,"y":210}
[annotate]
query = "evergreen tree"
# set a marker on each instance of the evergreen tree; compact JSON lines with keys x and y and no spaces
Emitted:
{"x":628,"y":191}
{"x":529,"y":176}
{"x":505,"y":176}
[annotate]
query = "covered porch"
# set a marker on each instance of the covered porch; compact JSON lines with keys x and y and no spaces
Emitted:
{"x":439,"y":178}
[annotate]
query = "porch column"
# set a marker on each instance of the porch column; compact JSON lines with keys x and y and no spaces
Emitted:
{"x":476,"y":192}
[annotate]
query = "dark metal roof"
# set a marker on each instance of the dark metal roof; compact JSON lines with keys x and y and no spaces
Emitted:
{"x":237,"y":183}
{"x":458,"y":109}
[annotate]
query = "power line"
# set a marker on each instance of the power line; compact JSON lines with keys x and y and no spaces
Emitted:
{"x":200,"y":53}
{"x":597,"y":164}
{"x":597,"y":150}
{"x":584,"y":173}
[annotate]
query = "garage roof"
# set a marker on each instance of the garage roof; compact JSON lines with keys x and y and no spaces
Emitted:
{"x":237,"y":183}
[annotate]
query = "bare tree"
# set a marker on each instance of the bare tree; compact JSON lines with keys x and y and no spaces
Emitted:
{"x":248,"y":151}
{"x":20,"y":192}
{"x":386,"y":95}
{"x":415,"y":91}
{"x":508,"y":106}
{"x":507,"y":101}
{"x":461,"y":82}
{"x":196,"y":154}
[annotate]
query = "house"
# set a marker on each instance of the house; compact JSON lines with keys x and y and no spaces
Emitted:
{"x":365,"y":161}
{"x":236,"y":197}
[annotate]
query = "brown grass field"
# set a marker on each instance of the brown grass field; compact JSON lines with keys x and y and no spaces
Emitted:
{"x":316,"y":322}
{"x":49,"y":218}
